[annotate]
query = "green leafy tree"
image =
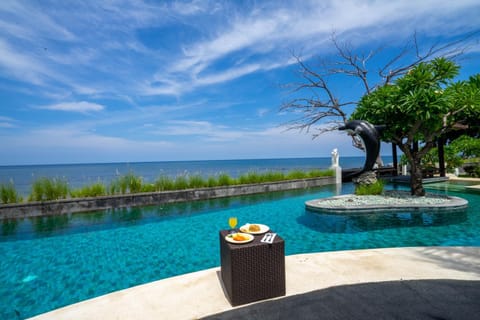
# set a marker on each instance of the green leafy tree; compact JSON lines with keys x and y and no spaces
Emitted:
{"x":466,"y":146}
{"x":420,"y":107}
{"x":430,"y":160}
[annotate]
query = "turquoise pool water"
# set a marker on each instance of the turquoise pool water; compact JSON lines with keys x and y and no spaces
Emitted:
{"x":452,"y":186}
{"x":52,"y":262}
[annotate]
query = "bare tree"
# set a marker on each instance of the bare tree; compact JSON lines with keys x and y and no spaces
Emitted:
{"x":320,"y":106}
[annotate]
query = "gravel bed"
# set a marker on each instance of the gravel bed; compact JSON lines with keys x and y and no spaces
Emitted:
{"x":389,"y":198}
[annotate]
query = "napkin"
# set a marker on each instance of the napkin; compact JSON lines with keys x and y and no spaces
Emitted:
{"x":268,"y":237}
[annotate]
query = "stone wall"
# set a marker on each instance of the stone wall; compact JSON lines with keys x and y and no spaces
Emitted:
{"x":33,"y":209}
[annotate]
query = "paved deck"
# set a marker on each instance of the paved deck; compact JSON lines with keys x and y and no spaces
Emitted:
{"x":310,"y":277}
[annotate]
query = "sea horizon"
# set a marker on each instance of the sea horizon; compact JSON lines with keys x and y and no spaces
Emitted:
{"x":161,"y":161}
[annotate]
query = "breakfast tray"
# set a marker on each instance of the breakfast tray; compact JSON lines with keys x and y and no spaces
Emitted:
{"x":252,"y":271}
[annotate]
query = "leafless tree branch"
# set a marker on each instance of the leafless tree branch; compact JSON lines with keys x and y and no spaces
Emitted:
{"x":450,"y":50}
{"x":324,"y":111}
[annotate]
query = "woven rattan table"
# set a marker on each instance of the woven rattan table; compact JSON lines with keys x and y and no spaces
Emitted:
{"x":252,"y":271}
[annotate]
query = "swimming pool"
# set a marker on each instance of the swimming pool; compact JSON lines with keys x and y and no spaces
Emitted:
{"x":52,"y":262}
{"x":453,"y":185}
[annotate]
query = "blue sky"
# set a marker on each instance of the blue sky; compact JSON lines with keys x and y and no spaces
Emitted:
{"x":114,"y":81}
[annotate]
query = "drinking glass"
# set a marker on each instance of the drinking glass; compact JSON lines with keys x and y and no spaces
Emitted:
{"x":232,"y":222}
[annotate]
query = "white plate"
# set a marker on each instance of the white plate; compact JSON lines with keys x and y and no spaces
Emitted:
{"x":248,"y":237}
{"x":263,"y":228}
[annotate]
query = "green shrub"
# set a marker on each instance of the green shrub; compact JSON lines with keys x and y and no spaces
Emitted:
{"x":149,"y":187}
{"x":98,"y":189}
{"x":274,"y":176}
{"x":196,"y":181}
{"x":118,"y":186}
{"x":134,"y":183}
{"x":250,"y":177}
{"x":112,"y":188}
{"x":225,"y":180}
{"x":472,"y":170}
{"x":320,"y":173}
{"x":164,"y":183}
{"x":477,"y":172}
{"x":296,"y":174}
{"x":181,"y":183}
{"x":46,"y":189}
{"x":212,"y":182}
{"x":128,"y":183}
{"x":370,"y":189}
{"x":95,"y":190}
{"x":8,"y":194}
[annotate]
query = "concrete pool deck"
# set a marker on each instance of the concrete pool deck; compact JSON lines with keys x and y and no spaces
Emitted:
{"x":201,"y":294}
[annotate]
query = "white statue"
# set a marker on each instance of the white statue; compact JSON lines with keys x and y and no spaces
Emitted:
{"x":336,"y":166}
{"x":335,"y":158}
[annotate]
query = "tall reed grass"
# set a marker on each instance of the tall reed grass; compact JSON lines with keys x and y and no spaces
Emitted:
{"x":95,"y":190}
{"x":45,"y":189}
{"x":8,"y":193}
{"x":164,"y":183}
{"x":129,"y":183}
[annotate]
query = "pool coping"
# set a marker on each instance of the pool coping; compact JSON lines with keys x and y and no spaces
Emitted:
{"x":199,"y":294}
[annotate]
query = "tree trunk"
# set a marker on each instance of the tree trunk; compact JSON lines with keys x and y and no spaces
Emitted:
{"x":395,"y":160}
{"x":416,"y":185}
{"x":410,"y":150}
{"x":441,"y":156}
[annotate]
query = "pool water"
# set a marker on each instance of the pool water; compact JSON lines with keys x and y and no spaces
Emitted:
{"x":47,"y":263}
{"x":455,"y":186}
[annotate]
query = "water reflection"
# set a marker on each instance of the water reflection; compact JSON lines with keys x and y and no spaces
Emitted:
{"x":49,"y":224}
{"x":452,"y":187}
{"x":126,"y":216}
{"x":353,"y":223}
{"x":9,"y":226}
{"x":28,"y":228}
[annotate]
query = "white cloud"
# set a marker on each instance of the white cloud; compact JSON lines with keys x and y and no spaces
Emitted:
{"x":227,"y":75}
{"x":271,"y":138}
{"x":82,"y":107}
{"x":61,"y":145}
{"x":189,"y":8}
{"x":130,"y":51}
{"x":208,"y":141}
{"x":62,"y":47}
{"x":199,"y":131}
{"x":234,"y":39}
{"x":27,"y":22}
{"x":77,"y":56}
{"x":31,"y":68}
{"x":21,"y":66}
{"x":242,"y":35}
{"x":262,"y":112}
{"x":7,"y":122}
{"x":178,"y":127}
{"x":268,"y":34}
{"x":6,"y":125}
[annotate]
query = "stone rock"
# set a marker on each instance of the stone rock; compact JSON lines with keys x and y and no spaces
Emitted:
{"x":366,"y":178}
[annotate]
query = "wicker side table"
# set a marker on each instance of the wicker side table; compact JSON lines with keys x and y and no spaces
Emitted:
{"x":252,"y":271}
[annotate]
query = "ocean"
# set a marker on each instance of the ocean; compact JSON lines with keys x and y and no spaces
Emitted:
{"x":78,"y":175}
